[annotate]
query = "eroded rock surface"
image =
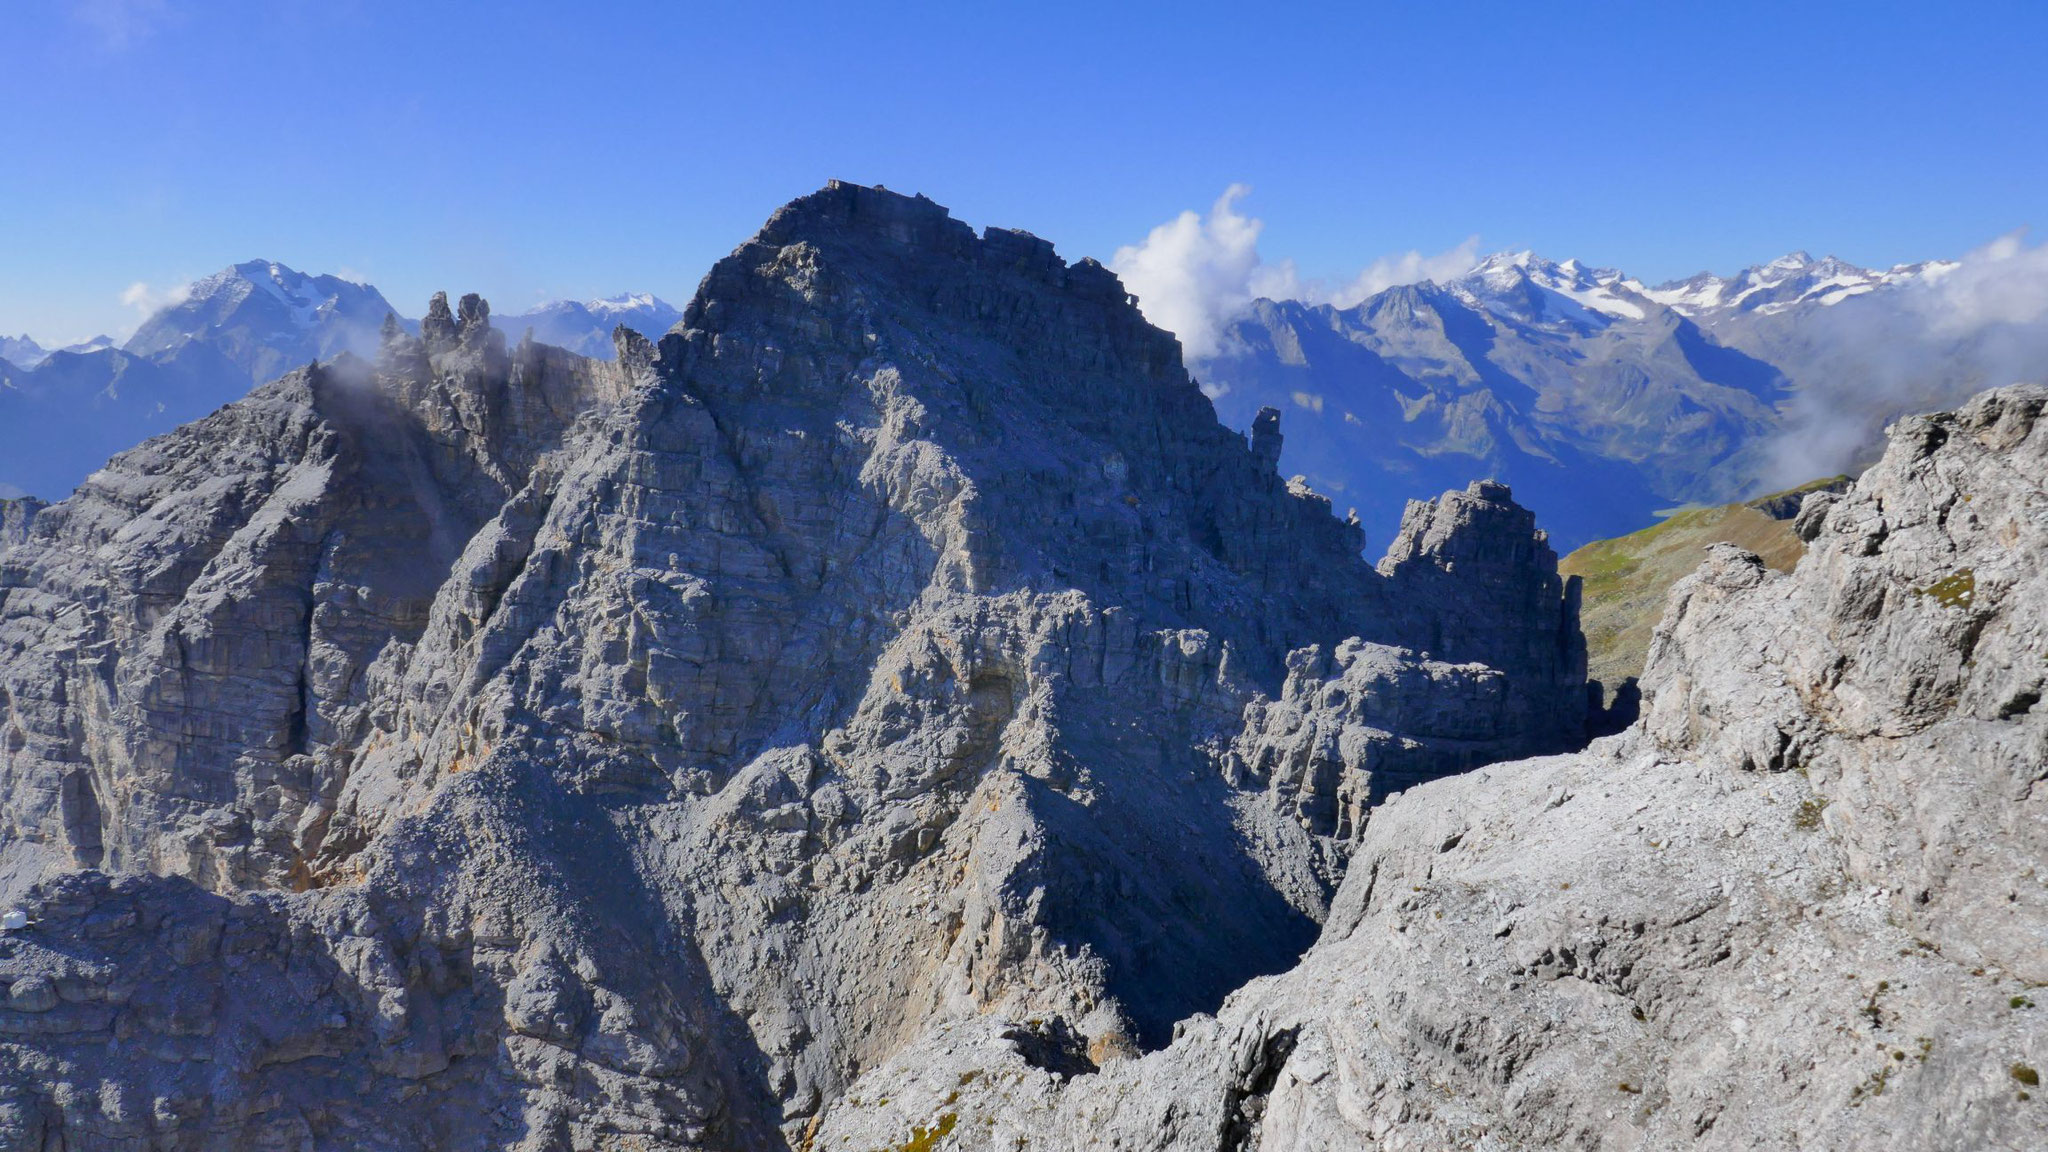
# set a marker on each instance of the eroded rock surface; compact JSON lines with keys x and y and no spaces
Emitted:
{"x":492,"y":748}
{"x":15,"y":517}
{"x":1800,"y":905}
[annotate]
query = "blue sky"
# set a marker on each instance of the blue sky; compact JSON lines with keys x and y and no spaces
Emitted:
{"x":529,"y":150}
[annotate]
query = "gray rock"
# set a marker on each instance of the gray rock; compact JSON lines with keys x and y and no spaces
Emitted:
{"x":1266,"y":438}
{"x":439,"y":326}
{"x":1799,"y":905}
{"x":585,"y":754}
{"x":17,"y":516}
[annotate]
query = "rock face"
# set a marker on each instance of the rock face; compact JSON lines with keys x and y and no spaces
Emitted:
{"x":1799,"y":905}
{"x":15,"y":517}
{"x":495,"y":748}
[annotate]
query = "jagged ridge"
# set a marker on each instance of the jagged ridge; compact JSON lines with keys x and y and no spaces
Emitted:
{"x":659,"y":744}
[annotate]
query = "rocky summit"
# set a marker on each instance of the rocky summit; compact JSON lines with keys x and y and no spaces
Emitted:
{"x":1799,"y":905}
{"x":480,"y":746}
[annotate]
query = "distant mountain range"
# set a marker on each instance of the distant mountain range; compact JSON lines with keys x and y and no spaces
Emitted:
{"x":585,"y":327}
{"x":1603,"y":401}
{"x":65,"y":412}
{"x":22,"y":352}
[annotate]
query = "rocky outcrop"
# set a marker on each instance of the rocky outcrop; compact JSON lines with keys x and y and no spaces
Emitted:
{"x":1488,"y":583}
{"x":578,"y":754}
{"x":189,"y":647}
{"x":1798,"y":906}
{"x":15,"y":517}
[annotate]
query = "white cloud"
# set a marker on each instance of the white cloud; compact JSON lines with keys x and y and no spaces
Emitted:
{"x":121,"y":24}
{"x":148,"y":301}
{"x":1980,"y":323}
{"x":2004,"y":282}
{"x":1194,"y":274}
{"x":1410,"y":267}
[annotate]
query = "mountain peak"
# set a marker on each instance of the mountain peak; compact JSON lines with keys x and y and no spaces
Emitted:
{"x":843,"y":210}
{"x":629,"y":302}
{"x":267,"y":317}
{"x":1530,"y":286}
{"x":585,"y":327}
{"x":22,"y":351}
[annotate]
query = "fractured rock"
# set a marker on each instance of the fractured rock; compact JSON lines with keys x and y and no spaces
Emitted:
{"x":578,"y":753}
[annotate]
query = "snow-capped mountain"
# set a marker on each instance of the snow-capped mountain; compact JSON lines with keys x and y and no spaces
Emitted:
{"x":75,"y":407}
{"x":267,"y":318}
{"x":63,"y":413}
{"x":1783,"y":284}
{"x":1528,"y":286}
{"x":1601,"y":399}
{"x":585,"y":326}
{"x":1531,"y":373}
{"x":1518,"y":281}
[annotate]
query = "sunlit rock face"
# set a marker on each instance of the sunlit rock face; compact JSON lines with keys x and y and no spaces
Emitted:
{"x":483,"y":746}
{"x":1798,"y":905}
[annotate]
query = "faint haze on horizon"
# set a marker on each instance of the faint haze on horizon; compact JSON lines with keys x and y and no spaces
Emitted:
{"x":536,"y":152}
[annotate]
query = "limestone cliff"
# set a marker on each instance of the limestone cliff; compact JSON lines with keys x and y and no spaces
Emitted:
{"x":1800,"y":905}
{"x":489,"y":747}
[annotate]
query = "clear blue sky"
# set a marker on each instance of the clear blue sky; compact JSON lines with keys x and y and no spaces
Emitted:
{"x":546,"y":149}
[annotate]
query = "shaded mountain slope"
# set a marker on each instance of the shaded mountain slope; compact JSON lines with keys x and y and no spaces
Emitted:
{"x":641,"y":750}
{"x":1594,"y":420}
{"x":1799,"y":906}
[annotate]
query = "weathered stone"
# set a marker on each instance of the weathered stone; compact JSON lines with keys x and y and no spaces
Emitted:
{"x":15,"y":518}
{"x":438,"y":327}
{"x":1799,"y":905}
{"x":32,"y":994}
{"x":574,"y":751}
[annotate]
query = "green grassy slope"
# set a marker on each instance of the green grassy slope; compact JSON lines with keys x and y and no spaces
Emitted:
{"x":1628,"y":578}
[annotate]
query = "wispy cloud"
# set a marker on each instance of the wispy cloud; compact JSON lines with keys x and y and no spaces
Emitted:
{"x":122,"y":24}
{"x":1194,"y":274}
{"x":1980,"y":323}
{"x":1410,"y":267}
{"x":147,"y":301}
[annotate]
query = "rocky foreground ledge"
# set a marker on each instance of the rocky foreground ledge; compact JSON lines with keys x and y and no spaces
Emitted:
{"x":1803,"y":903}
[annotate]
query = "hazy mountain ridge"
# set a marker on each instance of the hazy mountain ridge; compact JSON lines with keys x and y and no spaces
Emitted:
{"x":63,"y":413}
{"x":74,"y":408}
{"x":21,"y":351}
{"x":585,"y":326}
{"x":1601,"y":399}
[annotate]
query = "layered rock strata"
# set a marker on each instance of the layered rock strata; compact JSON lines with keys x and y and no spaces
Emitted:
{"x":1800,"y":905}
{"x":488,"y":747}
